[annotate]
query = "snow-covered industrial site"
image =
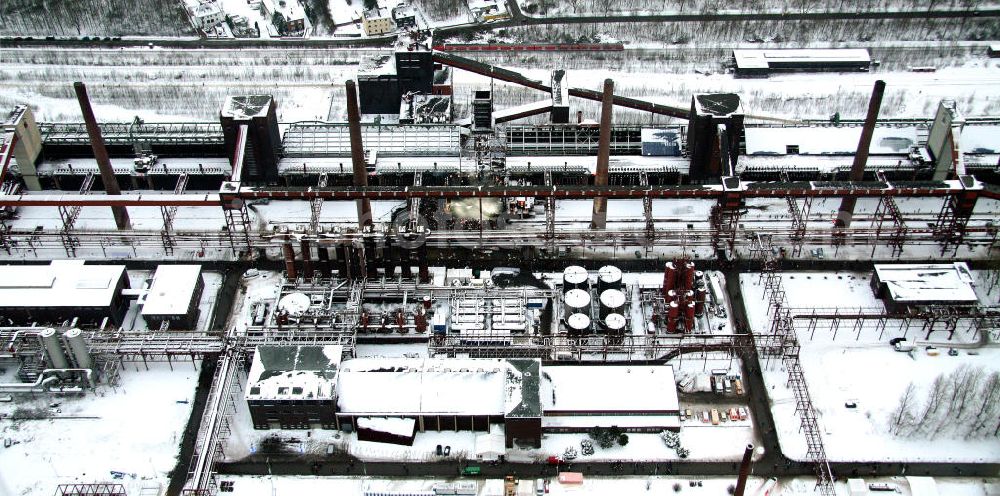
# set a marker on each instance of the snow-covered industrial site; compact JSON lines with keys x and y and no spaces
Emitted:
{"x":499,"y":248}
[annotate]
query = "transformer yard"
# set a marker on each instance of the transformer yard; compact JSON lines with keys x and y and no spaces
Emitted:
{"x":427,"y":301}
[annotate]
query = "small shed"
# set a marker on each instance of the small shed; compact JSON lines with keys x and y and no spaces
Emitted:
{"x":857,"y":487}
{"x":174,"y":296}
{"x":922,"y":486}
{"x":490,"y":447}
{"x":393,"y":430}
{"x":903,"y":285}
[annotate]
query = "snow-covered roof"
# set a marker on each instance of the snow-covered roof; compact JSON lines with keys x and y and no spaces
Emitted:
{"x":915,"y":283}
{"x":294,"y":372}
{"x":643,"y":422}
{"x":475,"y":386}
{"x":827,"y":140}
{"x":246,"y":107}
{"x":922,"y":486}
{"x":980,"y":139}
{"x":392,"y":386}
{"x":171,"y":290}
{"x":377,"y":65}
{"x":614,"y":390}
{"x":762,"y":59}
{"x":63,"y":283}
{"x":403,"y":427}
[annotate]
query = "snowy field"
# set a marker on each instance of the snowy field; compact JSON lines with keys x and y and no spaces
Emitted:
{"x":927,"y":422}
{"x":135,"y":429}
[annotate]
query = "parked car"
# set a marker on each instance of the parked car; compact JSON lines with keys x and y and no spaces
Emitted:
{"x":742,"y":412}
{"x":704,"y":416}
{"x":733,"y":416}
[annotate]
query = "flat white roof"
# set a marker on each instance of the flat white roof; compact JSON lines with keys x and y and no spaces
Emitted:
{"x":171,"y":290}
{"x":395,"y":386}
{"x":928,"y":282}
{"x":63,"y":283}
{"x":611,"y":389}
{"x":294,"y":372}
{"x":752,"y":58}
{"x":980,"y":139}
{"x":622,"y":421}
{"x":403,"y":427}
{"x":827,"y":140}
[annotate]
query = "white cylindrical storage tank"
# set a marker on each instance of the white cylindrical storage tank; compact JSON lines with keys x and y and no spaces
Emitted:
{"x":578,"y":323}
{"x":53,"y":349}
{"x":77,"y":345}
{"x":609,"y":277}
{"x":614,"y":323}
{"x":575,"y":277}
{"x":612,"y":301}
{"x":576,"y":301}
{"x":294,"y":304}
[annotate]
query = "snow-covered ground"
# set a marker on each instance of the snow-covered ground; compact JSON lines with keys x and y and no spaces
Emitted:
{"x":596,"y":486}
{"x":135,"y":429}
{"x":862,"y":368}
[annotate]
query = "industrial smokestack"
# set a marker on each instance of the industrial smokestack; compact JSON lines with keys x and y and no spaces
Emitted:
{"x":599,"y":219}
{"x":847,"y":205}
{"x":289,"y":254}
{"x":101,"y":155}
{"x":307,"y":267}
{"x":357,"y":151}
{"x":741,"y":482}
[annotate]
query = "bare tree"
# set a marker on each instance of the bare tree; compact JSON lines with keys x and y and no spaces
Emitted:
{"x":903,"y":411}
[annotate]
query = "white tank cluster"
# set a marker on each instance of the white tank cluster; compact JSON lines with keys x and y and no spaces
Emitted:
{"x":579,"y":296}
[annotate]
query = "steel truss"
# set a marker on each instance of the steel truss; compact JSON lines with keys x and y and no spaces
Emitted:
{"x":887,"y":209}
{"x":215,"y":426}
{"x":782,"y":343}
{"x":316,"y":205}
{"x":800,"y":218}
{"x":980,"y":321}
{"x":168,"y":214}
{"x":69,"y":214}
{"x":950,"y":228}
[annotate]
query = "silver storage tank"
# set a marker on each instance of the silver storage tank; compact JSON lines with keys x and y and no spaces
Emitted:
{"x":612,"y":301}
{"x":53,"y":349}
{"x":614,"y":323}
{"x":575,"y":277}
{"x":576,"y":301}
{"x":578,"y":323}
{"x":81,"y":354}
{"x":609,"y":277}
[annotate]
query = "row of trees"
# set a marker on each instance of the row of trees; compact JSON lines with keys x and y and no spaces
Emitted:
{"x":597,"y":7}
{"x":93,"y":18}
{"x":767,"y":31}
{"x":964,"y":403}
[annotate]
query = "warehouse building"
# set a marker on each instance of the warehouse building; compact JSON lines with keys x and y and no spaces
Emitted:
{"x":441,"y":395}
{"x":751,"y":62}
{"x":576,"y":398}
{"x":901,"y":286}
{"x":174,"y":296}
{"x":63,"y":290}
{"x":294,"y":387}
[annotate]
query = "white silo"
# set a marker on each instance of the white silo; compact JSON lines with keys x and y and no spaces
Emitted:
{"x":53,"y":349}
{"x":77,"y":345}
{"x":576,"y":301}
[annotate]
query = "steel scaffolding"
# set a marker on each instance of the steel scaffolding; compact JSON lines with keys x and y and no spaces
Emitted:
{"x":783,"y":343}
{"x":168,"y":214}
{"x":69,"y":214}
